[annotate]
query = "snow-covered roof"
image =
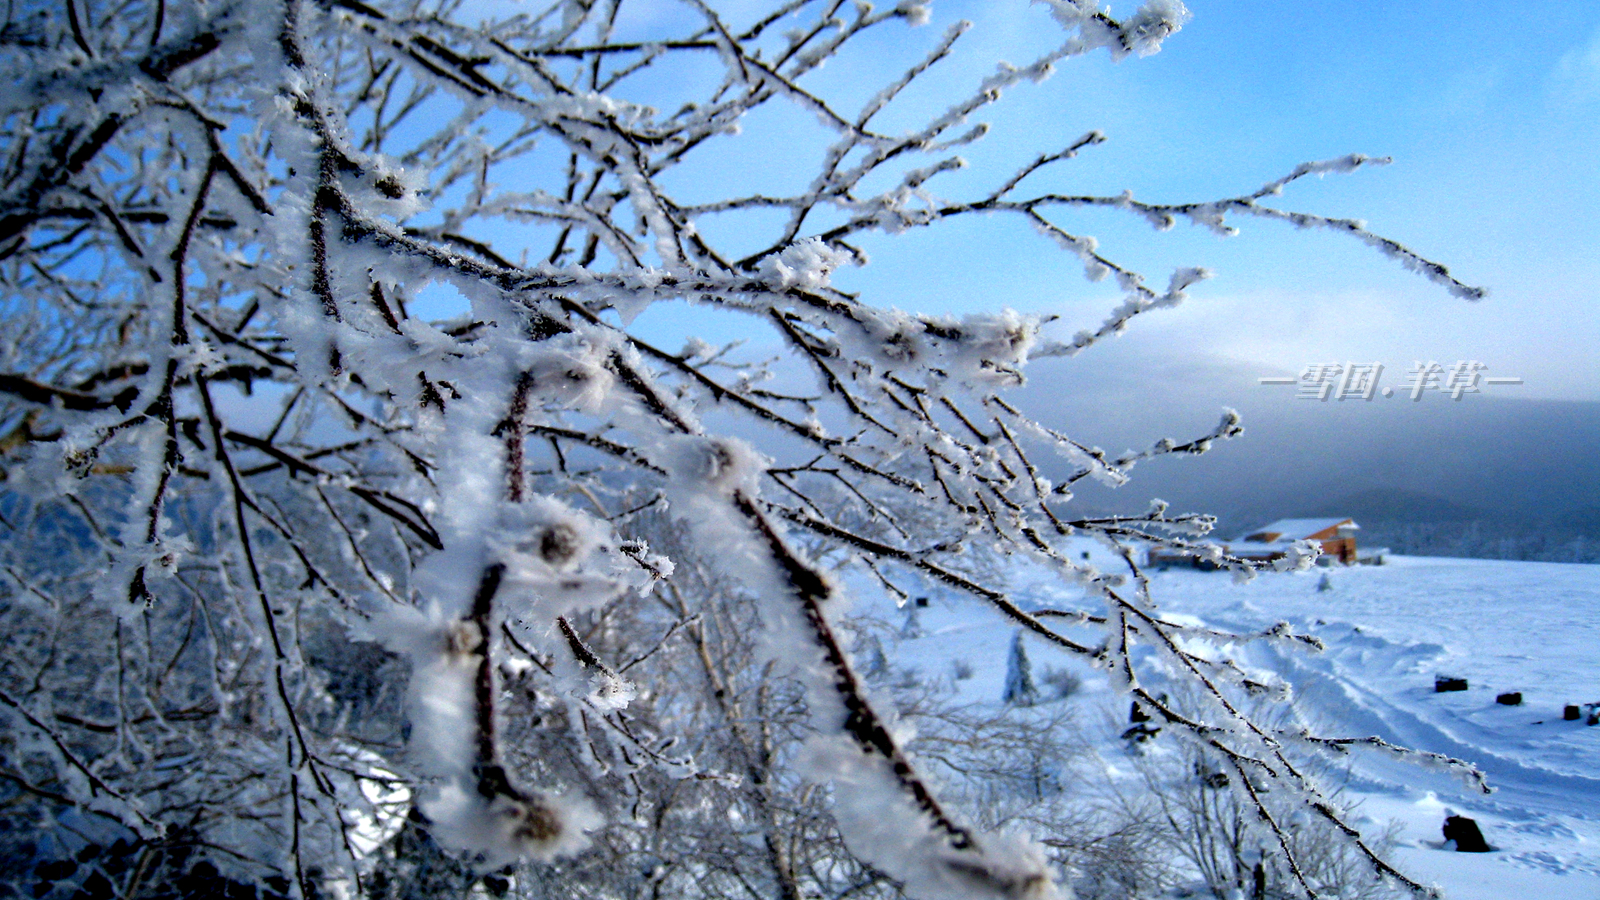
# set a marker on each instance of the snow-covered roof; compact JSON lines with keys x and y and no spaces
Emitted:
{"x":1253,"y":549}
{"x":1300,"y":529}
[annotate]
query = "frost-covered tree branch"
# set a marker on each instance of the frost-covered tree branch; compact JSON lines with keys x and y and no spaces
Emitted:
{"x":337,"y":446}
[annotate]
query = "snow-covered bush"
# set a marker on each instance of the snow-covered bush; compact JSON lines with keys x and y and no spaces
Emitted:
{"x":1217,"y":833}
{"x":341,"y":439}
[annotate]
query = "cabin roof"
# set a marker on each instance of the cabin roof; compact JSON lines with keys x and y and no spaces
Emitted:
{"x":1300,"y":529}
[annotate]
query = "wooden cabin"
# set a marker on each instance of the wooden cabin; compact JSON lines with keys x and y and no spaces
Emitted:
{"x":1337,"y":537}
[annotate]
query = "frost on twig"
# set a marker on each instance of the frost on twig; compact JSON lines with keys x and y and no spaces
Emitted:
{"x":339,"y":437}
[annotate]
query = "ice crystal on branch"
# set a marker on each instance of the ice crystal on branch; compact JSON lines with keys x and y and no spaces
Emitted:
{"x":343,"y":468}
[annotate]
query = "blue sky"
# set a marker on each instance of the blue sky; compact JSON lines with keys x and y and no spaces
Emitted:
{"x":1492,"y":117}
{"x":1490,"y":112}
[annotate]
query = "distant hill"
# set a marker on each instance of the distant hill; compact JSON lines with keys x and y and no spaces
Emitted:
{"x":1488,"y":475}
{"x":1392,"y":505}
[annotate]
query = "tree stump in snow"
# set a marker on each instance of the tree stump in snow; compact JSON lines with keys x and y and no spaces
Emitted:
{"x":1465,"y":833}
{"x":1445,"y":683}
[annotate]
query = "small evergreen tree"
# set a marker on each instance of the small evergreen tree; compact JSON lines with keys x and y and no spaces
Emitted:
{"x":1020,"y":689}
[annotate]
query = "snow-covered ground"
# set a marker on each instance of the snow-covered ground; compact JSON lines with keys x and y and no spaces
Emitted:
{"x":1389,"y":630}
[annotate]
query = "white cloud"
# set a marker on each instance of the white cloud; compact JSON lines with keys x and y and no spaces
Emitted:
{"x":1576,"y":75}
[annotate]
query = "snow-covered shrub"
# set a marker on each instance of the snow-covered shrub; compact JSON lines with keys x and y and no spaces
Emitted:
{"x":1218,"y":833}
{"x":1061,"y":683}
{"x":340,"y":433}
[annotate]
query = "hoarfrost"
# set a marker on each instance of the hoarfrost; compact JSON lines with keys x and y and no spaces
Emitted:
{"x":883,"y":827}
{"x":805,"y":265}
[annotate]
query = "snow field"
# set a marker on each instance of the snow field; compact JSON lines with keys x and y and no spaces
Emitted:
{"x":1389,"y":630}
